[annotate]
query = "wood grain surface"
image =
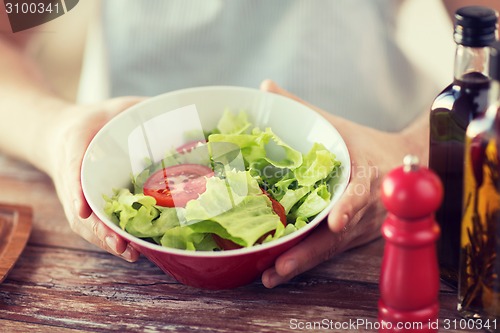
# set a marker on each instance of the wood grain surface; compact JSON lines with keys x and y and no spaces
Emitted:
{"x":60,"y":283}
{"x":15,"y":228}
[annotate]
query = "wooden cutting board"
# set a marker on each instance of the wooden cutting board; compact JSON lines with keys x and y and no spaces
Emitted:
{"x":15,"y":228}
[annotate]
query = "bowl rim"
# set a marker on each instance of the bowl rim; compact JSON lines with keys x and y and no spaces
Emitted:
{"x":215,"y":254}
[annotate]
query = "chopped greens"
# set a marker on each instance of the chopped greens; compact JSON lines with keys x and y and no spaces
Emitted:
{"x":233,"y":205}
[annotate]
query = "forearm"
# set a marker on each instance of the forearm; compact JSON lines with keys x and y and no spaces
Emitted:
{"x":416,"y":138}
{"x":27,"y":108}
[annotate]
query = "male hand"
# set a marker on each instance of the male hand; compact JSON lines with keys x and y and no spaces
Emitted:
{"x":357,"y":217}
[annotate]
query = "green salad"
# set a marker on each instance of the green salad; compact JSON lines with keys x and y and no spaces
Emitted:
{"x":239,"y":187}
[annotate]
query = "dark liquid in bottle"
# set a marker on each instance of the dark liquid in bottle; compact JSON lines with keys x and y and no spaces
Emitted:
{"x":450,"y":115}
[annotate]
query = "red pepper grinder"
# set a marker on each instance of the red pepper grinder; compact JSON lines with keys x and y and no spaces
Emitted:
{"x":409,"y":278}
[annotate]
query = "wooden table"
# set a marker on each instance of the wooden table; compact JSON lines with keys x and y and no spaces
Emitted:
{"x":63,"y":284}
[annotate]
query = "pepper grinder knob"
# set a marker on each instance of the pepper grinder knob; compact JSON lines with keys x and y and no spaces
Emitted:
{"x":409,"y":277}
{"x":411,"y":191}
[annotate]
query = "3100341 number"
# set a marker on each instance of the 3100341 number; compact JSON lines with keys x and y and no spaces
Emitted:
{"x":31,"y":8}
{"x":470,"y":324}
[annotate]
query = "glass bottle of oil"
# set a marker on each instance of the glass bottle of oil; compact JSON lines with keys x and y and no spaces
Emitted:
{"x":479,"y":283}
{"x":463,"y":100}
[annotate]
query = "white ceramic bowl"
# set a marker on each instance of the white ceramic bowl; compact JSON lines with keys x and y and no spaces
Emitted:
{"x":113,"y":156}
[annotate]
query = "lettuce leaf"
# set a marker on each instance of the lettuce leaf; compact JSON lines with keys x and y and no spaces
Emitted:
{"x":138,"y":215}
{"x":262,"y":145}
{"x":185,"y":238}
{"x":314,"y":203}
{"x":319,"y":162}
{"x":234,"y":208}
{"x":292,"y":196}
{"x":231,"y":123}
{"x":221,"y":195}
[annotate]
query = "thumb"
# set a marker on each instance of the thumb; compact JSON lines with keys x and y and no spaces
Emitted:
{"x":347,"y":211}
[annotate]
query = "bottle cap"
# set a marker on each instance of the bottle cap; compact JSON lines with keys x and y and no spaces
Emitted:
{"x":494,"y":69}
{"x":475,"y":26}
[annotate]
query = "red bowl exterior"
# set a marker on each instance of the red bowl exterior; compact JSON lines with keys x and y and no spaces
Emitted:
{"x":214,"y":272}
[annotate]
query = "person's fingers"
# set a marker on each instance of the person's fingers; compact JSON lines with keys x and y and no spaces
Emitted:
{"x":106,"y":239}
{"x":85,"y":223}
{"x":68,"y":181}
{"x":330,"y":238}
{"x":321,"y":245}
{"x":95,"y":231}
{"x":351,"y":203}
{"x":111,"y":242}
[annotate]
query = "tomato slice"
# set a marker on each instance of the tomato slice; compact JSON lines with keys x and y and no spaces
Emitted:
{"x":225,"y":244}
{"x":175,"y":185}
{"x":278,"y":208}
